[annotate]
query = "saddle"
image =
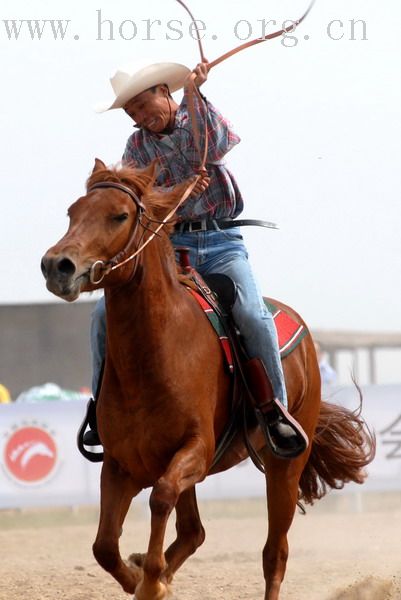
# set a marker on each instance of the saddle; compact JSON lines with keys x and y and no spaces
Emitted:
{"x":224,"y":289}
{"x":220,"y":292}
{"x":252,"y":399}
{"x":216,"y":295}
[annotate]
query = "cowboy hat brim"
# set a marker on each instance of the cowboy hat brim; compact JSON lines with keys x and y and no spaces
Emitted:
{"x":128,"y":86}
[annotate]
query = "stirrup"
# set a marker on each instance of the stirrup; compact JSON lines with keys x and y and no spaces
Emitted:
{"x":281,"y":444}
{"x":91,"y":438}
{"x":88,"y":420}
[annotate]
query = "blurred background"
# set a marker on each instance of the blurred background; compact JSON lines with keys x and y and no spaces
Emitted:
{"x":318,"y":114}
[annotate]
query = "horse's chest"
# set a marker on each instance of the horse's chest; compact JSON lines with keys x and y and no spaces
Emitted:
{"x":155,"y":430}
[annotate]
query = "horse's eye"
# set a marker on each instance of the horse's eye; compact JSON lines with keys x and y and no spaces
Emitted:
{"x":120,"y":218}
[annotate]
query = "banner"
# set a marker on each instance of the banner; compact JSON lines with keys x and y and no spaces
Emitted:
{"x":39,"y":461}
{"x":41,"y":466}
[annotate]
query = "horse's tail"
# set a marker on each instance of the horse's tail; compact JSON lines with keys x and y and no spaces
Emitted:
{"x":342,"y":447}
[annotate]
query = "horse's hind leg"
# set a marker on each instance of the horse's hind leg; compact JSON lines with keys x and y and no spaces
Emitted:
{"x":190,"y":533}
{"x":186,"y":468}
{"x":282,"y":494}
{"x":117,"y":491}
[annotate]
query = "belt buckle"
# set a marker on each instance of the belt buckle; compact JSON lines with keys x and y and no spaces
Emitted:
{"x":194,"y":226}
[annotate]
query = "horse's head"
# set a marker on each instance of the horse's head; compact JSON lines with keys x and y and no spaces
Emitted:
{"x":105,"y":225}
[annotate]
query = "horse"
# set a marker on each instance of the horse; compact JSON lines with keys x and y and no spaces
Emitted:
{"x":165,"y":393}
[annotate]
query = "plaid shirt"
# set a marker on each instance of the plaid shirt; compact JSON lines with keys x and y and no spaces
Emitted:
{"x":179,"y":159}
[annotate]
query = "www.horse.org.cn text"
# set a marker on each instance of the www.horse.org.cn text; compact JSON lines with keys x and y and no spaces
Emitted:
{"x":151,"y":30}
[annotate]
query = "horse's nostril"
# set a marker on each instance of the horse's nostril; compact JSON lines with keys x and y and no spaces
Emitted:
{"x":66,"y":266}
{"x":43,"y":267}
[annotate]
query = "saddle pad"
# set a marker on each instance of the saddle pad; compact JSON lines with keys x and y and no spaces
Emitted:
{"x":289,"y":332}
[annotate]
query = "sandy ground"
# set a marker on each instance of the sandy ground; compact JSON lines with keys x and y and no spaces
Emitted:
{"x":346,"y":548}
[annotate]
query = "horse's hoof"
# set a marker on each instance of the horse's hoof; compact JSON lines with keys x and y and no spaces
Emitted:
{"x":158,"y":591}
{"x":136,"y":559}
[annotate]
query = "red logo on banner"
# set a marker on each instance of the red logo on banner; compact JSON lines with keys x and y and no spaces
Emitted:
{"x":30,"y":454}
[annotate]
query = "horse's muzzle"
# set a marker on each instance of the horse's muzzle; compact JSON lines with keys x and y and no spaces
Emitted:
{"x":59,"y":272}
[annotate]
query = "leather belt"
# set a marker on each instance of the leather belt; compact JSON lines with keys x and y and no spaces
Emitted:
{"x":218,"y":224}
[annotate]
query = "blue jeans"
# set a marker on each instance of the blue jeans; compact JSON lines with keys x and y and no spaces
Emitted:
{"x":219,"y":252}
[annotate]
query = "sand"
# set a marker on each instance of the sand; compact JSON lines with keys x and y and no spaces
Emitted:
{"x":346,"y":547}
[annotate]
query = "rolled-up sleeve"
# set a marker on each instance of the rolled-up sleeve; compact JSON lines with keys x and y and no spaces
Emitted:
{"x":221,"y":136}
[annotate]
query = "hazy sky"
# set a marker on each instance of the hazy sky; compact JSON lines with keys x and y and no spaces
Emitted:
{"x":319,"y":120}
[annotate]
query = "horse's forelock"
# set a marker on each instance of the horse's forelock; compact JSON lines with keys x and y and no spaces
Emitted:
{"x":159,"y":200}
{"x":137,"y":179}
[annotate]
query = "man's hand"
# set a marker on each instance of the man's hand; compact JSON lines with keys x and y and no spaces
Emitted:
{"x":201,"y":71}
{"x":202,"y":185}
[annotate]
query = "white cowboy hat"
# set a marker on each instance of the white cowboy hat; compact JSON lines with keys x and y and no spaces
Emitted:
{"x":126,"y":85}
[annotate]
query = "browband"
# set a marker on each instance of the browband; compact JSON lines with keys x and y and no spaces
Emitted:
{"x":121,"y":187}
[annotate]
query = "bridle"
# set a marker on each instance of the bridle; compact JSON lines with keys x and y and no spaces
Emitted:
{"x":118,"y":261}
{"x":110,"y":265}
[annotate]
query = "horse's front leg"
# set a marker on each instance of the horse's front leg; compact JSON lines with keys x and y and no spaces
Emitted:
{"x":117,"y":490}
{"x":188,"y":466}
{"x":282,"y":495}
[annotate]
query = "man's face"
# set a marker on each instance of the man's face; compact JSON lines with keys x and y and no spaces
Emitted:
{"x":151,"y":109}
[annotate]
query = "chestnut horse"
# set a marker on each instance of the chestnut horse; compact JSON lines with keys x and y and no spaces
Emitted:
{"x":165,"y":394}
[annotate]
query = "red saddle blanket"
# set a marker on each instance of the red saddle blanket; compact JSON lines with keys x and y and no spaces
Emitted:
{"x":289,"y":331}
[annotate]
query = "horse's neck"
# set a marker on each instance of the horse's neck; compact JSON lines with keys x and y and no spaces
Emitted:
{"x":137,"y":311}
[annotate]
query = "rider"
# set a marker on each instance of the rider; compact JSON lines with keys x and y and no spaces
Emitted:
{"x":164,"y":132}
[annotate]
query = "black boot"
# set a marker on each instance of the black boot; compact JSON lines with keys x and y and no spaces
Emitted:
{"x":91,"y":437}
{"x":284,"y":435}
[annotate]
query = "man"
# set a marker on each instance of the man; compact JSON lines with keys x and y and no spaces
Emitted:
{"x":165,"y":132}
{"x":327,"y":373}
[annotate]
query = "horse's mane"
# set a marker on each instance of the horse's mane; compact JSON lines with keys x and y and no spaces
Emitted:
{"x":159,"y":200}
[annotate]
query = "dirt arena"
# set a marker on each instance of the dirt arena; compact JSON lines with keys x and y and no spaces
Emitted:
{"x":346,"y":547}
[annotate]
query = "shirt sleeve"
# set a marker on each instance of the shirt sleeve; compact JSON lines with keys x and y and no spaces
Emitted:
{"x":221,"y":136}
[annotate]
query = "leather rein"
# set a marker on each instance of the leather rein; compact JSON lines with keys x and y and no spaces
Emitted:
{"x":118,"y":260}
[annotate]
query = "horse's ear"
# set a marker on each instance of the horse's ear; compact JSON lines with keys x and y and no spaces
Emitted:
{"x":99,"y":165}
{"x":152,"y":169}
